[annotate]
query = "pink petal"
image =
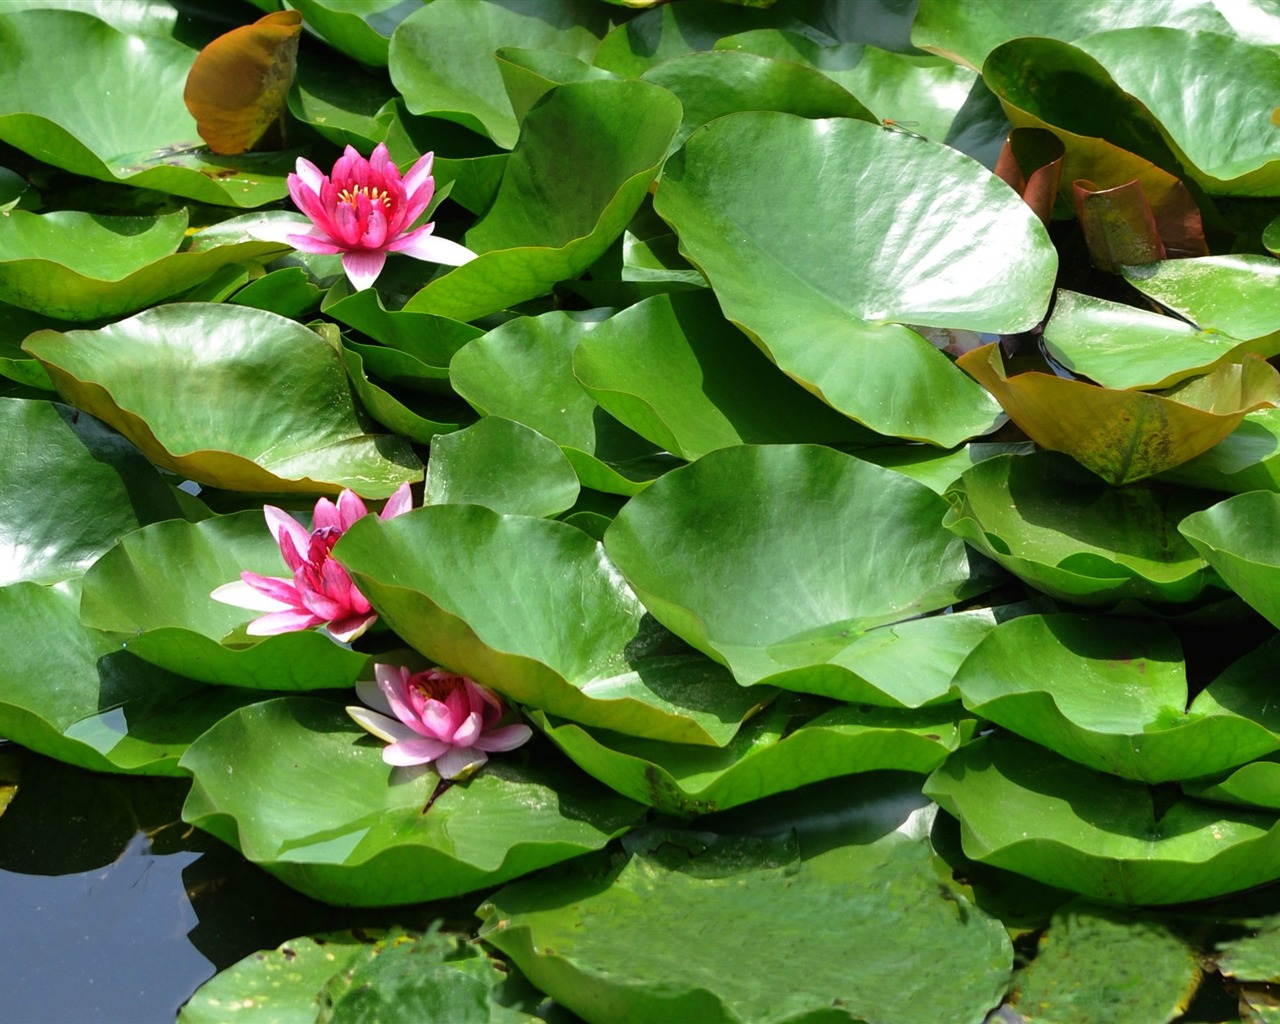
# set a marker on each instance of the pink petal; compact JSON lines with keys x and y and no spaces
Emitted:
{"x":363,"y":268}
{"x":422,"y":245}
{"x":375,"y":227}
{"x":350,"y":628}
{"x":393,"y":681}
{"x":459,"y":762}
{"x":325,"y":515}
{"x":280,"y":522}
{"x":418,"y":176}
{"x":310,"y":174}
{"x":370,"y":691}
{"x":379,"y":159}
{"x":242,"y":594}
{"x":350,"y":508}
{"x":468,"y":732}
{"x":283,"y":592}
{"x":398,"y":504}
{"x":507,"y":738}
{"x":346,"y":224}
{"x":416,"y":751}
{"x":314,"y":244}
{"x":439,"y":720}
{"x":282,"y":622}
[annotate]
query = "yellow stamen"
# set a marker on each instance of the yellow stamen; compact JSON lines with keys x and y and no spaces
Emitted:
{"x":374,"y":195}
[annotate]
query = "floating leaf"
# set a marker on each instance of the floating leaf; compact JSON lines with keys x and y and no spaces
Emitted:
{"x":311,"y":801}
{"x":1237,"y":537}
{"x":1026,"y":810}
{"x":709,"y":549}
{"x":1125,"y":436}
{"x":755,"y":195}
{"x":248,"y":400}
{"x":237,"y":86}
{"x":1231,"y":294}
{"x":1065,"y":532}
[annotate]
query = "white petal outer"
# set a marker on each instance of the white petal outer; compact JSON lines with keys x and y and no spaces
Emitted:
{"x":422,"y":245}
{"x":507,"y":738}
{"x":242,"y":595}
{"x":315,"y":243}
{"x":310,"y":174}
{"x":280,"y":230}
{"x":398,"y":504}
{"x":363,"y":268}
{"x":384,"y":728}
{"x":371,"y":693}
{"x":419,"y":750}
{"x":282,"y":622}
{"x":459,"y":762}
{"x":354,"y":631}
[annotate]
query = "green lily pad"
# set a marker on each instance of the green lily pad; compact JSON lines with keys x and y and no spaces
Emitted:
{"x":311,"y":801}
{"x":546,"y":224}
{"x":288,"y":291}
{"x":260,"y":404}
{"x":841,"y":324}
{"x":675,"y":371}
{"x":1223,"y":135}
{"x":523,"y":371}
{"x":711,"y":548}
{"x":399,"y":368}
{"x":137,"y":130}
{"x":414,"y":416}
{"x":502,"y":465}
{"x":433,"y":340}
{"x":529,"y":74}
{"x":1027,"y":810}
{"x":1252,"y":957}
{"x":1098,"y":966}
{"x":362,"y":30}
{"x":1112,"y":695}
{"x":69,"y":489}
{"x":712,"y":83}
{"x":1061,"y":529}
{"x":879,"y":938}
{"x":80,"y":266}
{"x":968,"y":32}
{"x":108,"y":711}
{"x":568,"y":637}
{"x":169,"y":619}
{"x":939,"y":470}
{"x":1247,"y":459}
{"x":441,"y":57}
{"x":1120,"y":346}
{"x":1231,"y":294}
{"x":1238,"y":538}
{"x":794,"y":741}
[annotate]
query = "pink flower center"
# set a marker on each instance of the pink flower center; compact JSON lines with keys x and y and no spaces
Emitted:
{"x":434,"y":686}
{"x":372,"y":193}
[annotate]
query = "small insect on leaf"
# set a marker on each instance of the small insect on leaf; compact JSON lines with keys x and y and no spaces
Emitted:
{"x":901,"y":127}
{"x":237,"y":86}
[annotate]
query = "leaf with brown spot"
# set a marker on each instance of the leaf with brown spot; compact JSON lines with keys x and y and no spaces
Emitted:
{"x":1127,"y":435}
{"x":237,"y":86}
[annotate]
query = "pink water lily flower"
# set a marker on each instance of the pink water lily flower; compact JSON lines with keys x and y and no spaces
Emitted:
{"x":320,"y":592}
{"x":365,"y":210}
{"x":439,"y":717}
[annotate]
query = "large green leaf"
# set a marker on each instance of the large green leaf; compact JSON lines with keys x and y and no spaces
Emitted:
{"x":1247,"y":459}
{"x":69,"y":489}
{"x":433,"y":340}
{"x":796,"y":740}
{"x":502,"y":465}
{"x":1223,"y":134}
{"x":780,"y":560}
{"x":1238,"y":537}
{"x":71,"y":693}
{"x":80,"y":266}
{"x":1231,"y":294}
{"x":523,"y":371}
{"x":754,"y":196}
{"x":879,"y":940}
{"x":534,"y":609}
{"x":361,"y":30}
{"x":674,"y":370}
{"x":169,"y":619}
{"x":229,"y":396}
{"x":133,"y":126}
{"x":1027,"y":810}
{"x":311,"y":800}
{"x":1065,"y":532}
{"x":1112,"y":695}
{"x":969,"y":30}
{"x":442,"y":56}
{"x":586,"y":157}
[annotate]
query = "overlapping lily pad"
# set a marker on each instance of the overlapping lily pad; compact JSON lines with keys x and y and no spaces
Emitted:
{"x":85,"y":701}
{"x":794,"y":741}
{"x":1030,"y":811}
{"x":169,"y":619}
{"x":310,"y":800}
{"x":1238,"y":537}
{"x":586,"y":157}
{"x":1231,"y":294}
{"x":1125,"y":436}
{"x":840,"y":324}
{"x":136,"y":131}
{"x":1064,"y":531}
{"x":69,"y":489}
{"x":597,"y":939}
{"x":523,"y":371}
{"x":229,"y":396}
{"x":534,"y":609}
{"x":1112,"y":695}
{"x":781,"y":560}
